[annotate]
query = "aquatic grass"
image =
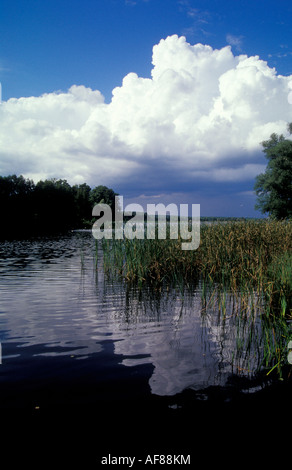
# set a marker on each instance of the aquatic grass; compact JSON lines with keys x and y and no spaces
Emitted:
{"x":279,"y":289}
{"x":243,"y":269}
{"x":147,"y":260}
{"x":238,"y":255}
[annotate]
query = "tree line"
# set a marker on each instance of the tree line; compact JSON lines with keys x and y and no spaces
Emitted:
{"x":50,"y":206}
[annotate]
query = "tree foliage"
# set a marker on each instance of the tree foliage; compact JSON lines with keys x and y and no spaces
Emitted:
{"x":274,"y":187}
{"x":102,"y":194}
{"x":49,"y":206}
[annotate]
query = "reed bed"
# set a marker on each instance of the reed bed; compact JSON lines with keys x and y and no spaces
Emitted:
{"x":237,"y":256}
{"x":248,"y":261}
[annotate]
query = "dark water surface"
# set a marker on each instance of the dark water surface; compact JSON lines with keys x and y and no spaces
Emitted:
{"x":91,"y":366}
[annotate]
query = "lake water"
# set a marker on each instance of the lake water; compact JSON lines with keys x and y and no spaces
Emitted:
{"x":71,"y":337}
{"x":56,"y":306}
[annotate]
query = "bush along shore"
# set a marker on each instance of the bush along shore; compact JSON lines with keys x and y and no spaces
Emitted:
{"x":250,"y":261}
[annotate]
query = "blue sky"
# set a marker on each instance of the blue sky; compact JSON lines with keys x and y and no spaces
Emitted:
{"x":48,"y":47}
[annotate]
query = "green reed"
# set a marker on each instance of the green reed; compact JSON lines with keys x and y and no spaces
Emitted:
{"x":237,"y":255}
{"x":251,"y":261}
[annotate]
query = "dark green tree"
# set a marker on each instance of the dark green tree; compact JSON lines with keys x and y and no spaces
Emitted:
{"x":83,"y":209}
{"x":102,"y":194}
{"x":54,"y":206}
{"x":15,"y":186}
{"x":105,"y":195}
{"x":50,"y":206}
{"x":16,"y":202}
{"x":274,"y":187}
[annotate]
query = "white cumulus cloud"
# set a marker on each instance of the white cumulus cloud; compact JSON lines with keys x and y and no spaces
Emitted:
{"x":201,"y":115}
